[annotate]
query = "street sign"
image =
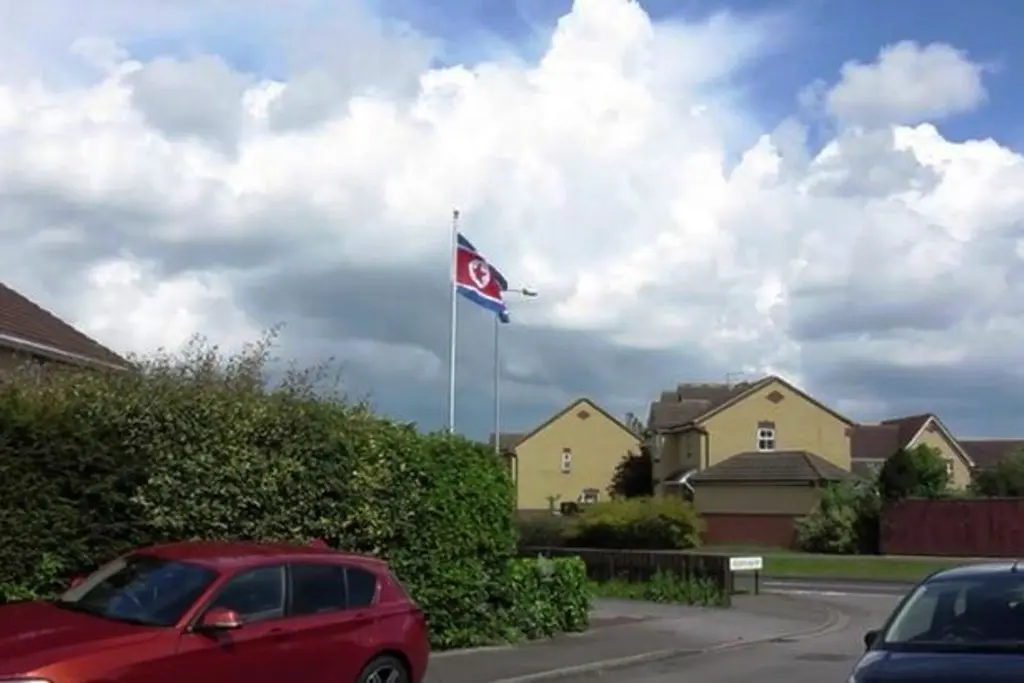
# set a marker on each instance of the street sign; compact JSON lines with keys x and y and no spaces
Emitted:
{"x":746,"y":564}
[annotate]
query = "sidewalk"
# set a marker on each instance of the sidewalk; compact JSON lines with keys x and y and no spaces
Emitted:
{"x":626,"y":632}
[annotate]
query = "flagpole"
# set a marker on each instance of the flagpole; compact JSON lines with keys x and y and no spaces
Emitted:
{"x":497,"y":386}
{"x":453,"y":331}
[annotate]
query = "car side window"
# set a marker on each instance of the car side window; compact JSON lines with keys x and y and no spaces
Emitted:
{"x":317,"y":588}
{"x":362,"y":587}
{"x":324,"y":587}
{"x":256,"y":595}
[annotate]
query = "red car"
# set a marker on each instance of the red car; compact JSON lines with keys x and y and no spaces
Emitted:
{"x":217,"y":612}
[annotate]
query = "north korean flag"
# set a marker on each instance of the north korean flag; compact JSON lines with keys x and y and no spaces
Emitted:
{"x":479,"y":281}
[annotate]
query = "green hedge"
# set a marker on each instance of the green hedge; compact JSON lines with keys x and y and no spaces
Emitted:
{"x":660,"y":523}
{"x":195,"y":447}
{"x":548,"y":596}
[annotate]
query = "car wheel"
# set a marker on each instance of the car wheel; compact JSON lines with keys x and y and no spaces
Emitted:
{"x":386,"y":669}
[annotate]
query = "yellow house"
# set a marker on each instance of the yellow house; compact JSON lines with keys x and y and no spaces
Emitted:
{"x":571,"y":457}
{"x":872,"y":444}
{"x":698,"y":426}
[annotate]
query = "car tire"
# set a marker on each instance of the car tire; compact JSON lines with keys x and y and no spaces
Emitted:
{"x":384,"y":669}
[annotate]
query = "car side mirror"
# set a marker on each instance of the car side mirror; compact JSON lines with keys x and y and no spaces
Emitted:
{"x":869,"y":639}
{"x":219,"y":619}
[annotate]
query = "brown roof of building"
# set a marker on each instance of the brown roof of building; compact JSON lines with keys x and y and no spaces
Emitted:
{"x":885,"y":438}
{"x":772,"y":466}
{"x":988,"y":452}
{"x":687,"y":402}
{"x":25,"y":326}
{"x":507,"y":441}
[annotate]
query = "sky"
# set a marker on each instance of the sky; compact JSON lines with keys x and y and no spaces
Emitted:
{"x":828,"y":191}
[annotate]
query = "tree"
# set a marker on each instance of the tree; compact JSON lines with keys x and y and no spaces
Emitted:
{"x":634,"y":475}
{"x":918,"y":472}
{"x":1004,"y":479}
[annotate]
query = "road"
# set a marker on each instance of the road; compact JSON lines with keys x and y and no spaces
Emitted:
{"x":823,"y":658}
{"x":835,"y":587}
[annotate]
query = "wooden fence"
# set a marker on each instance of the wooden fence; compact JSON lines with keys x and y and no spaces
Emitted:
{"x":973,"y":527}
{"x":641,"y":565}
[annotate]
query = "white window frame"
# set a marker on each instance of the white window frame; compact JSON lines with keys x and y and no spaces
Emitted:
{"x":765,"y":439}
{"x":949,"y":467}
{"x":659,"y":445}
{"x":587,"y":499}
{"x":566,"y":465}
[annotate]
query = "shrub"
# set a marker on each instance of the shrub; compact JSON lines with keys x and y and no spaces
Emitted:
{"x":197,"y":447}
{"x":845,"y":521}
{"x":919,"y":472}
{"x":1004,"y":479}
{"x":664,"y":587}
{"x":660,"y":523}
{"x":543,"y":531}
{"x":547,"y":596}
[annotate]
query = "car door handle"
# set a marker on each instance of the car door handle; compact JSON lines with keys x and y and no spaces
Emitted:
{"x":278,"y":633}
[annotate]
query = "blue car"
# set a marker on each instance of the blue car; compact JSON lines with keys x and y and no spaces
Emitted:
{"x":963,"y":625}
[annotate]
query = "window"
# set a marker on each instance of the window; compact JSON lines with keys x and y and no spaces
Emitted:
{"x":255,"y":595}
{"x":765,"y":439}
{"x":589,"y":496}
{"x":957,"y":612}
{"x":659,"y":444}
{"x":362,"y":587}
{"x":140,"y":589}
{"x":949,"y":467}
{"x":566,"y":460}
{"x":317,"y":588}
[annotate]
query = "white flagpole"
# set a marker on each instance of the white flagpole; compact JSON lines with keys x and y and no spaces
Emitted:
{"x":454,"y":322}
{"x":497,"y":386}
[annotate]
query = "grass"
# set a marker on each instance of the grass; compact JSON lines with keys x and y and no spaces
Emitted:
{"x":794,"y":564}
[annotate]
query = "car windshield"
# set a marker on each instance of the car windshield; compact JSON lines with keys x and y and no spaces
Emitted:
{"x":966,"y":612}
{"x":140,"y":589}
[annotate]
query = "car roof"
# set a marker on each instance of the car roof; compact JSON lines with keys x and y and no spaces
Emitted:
{"x":980,"y":570}
{"x":223,"y":555}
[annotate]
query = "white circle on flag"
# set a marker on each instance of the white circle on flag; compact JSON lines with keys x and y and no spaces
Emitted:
{"x":480,"y":273}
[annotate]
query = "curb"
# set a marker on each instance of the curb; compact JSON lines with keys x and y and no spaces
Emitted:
{"x":834,"y":621}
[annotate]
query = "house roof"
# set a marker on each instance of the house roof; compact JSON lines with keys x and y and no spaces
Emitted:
{"x":988,"y":452}
{"x":872,"y":441}
{"x":523,"y":438}
{"x":507,"y":441}
{"x":689,"y":404}
{"x":772,"y":466}
{"x":25,"y":326}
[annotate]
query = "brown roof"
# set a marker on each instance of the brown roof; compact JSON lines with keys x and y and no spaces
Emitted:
{"x":507,"y":441}
{"x":988,"y":452}
{"x":772,"y":466}
{"x":885,"y":438}
{"x":25,"y":326}
{"x":687,"y":402}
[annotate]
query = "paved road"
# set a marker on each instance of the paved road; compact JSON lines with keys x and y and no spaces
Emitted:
{"x":835,"y":587}
{"x":818,"y":659}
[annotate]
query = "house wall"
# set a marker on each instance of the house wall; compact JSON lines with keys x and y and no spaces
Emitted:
{"x":933,"y":436}
{"x":799,"y":425}
{"x":753,"y":514}
{"x":597,"y":444}
{"x":681,"y":451}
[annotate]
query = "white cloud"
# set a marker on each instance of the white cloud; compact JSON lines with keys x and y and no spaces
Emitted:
{"x":600,"y":176}
{"x":907,"y":84}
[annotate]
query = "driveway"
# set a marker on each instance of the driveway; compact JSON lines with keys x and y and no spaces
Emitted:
{"x":812,"y":659}
{"x":634,"y":639}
